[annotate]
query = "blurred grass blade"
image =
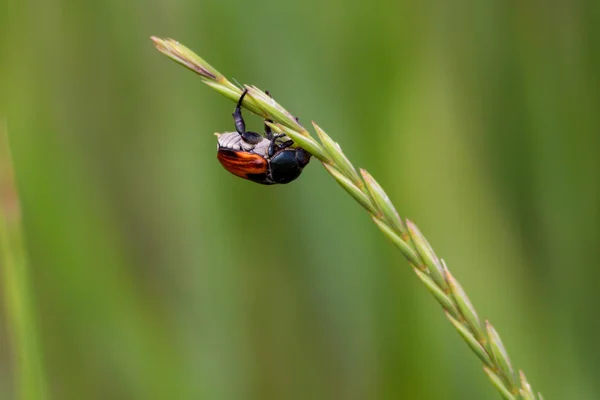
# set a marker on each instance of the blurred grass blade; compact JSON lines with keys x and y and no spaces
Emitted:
{"x":16,"y":286}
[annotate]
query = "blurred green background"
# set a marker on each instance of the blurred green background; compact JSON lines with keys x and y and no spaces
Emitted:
{"x":157,"y":275}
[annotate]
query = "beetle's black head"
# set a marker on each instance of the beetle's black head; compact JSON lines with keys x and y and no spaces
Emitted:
{"x":303,"y":157}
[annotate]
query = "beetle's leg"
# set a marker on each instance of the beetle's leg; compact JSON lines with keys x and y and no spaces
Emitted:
{"x":286,"y":144}
{"x":273,"y":147}
{"x":268,"y":131}
{"x":240,"y":125}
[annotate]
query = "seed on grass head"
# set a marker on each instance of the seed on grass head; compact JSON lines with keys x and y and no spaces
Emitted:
{"x":177,"y":52}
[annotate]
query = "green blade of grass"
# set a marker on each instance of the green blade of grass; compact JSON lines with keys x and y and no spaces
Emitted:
{"x":16,"y":287}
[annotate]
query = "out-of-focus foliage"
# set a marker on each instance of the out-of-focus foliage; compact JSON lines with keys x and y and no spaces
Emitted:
{"x":158,"y":275}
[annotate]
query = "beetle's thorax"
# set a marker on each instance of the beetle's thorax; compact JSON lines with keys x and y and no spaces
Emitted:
{"x":233,"y":141}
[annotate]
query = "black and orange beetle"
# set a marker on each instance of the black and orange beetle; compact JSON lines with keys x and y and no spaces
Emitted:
{"x":256,"y":158}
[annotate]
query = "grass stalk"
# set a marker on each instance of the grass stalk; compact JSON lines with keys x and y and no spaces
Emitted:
{"x":431,"y":270}
{"x":30,"y":383}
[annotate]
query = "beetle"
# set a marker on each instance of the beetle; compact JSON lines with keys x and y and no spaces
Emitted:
{"x":256,"y":158}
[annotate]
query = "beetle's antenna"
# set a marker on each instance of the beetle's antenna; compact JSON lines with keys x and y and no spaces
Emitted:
{"x":238,"y":84}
